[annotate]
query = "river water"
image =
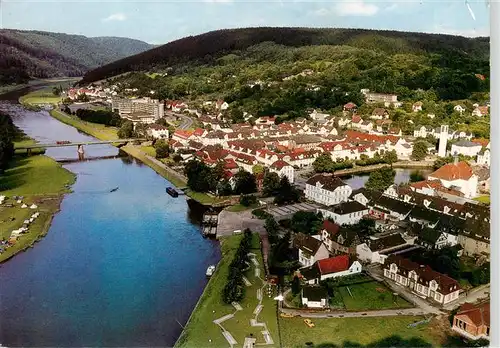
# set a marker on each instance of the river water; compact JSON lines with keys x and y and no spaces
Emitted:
{"x":116,"y":269}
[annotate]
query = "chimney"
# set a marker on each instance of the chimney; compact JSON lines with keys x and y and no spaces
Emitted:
{"x":455,"y":159}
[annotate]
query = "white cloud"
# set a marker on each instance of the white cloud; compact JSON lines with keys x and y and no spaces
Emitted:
{"x":115,"y":17}
{"x":355,"y":8}
{"x":391,"y":8}
{"x":321,"y":12}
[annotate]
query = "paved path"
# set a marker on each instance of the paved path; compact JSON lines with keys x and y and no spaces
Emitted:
{"x":380,"y":313}
{"x":474,"y":295}
{"x":186,"y":120}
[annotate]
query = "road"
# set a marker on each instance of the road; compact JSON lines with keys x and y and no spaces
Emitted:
{"x":187,"y":121}
{"x":363,"y":314}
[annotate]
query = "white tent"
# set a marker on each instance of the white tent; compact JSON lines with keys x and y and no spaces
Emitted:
{"x":24,"y":206}
{"x":33,"y":206}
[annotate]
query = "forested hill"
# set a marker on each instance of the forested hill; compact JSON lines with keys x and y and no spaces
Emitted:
{"x":41,"y":54}
{"x":208,"y":47}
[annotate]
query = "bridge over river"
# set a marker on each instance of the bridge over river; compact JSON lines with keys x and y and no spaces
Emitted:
{"x":81,"y":143}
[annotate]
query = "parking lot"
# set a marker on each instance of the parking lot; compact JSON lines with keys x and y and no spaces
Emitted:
{"x":286,"y":211}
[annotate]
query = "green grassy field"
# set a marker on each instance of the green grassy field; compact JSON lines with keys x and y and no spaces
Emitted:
{"x":201,"y":328}
{"x":483,"y":199}
{"x":42,"y":181}
{"x":42,"y":96}
{"x":98,"y":131}
{"x":365,"y":331}
{"x":370,"y":296}
{"x":149,"y":150}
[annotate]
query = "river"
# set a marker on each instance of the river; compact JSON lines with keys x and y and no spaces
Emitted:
{"x":116,"y":269}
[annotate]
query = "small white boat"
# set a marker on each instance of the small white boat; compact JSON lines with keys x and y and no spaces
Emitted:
{"x":210,"y":270}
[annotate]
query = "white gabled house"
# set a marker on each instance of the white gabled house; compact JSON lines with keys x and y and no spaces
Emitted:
{"x":377,"y":250}
{"x":314,"y":297}
{"x":422,"y":280}
{"x":283,"y":168}
{"x":310,"y":249}
{"x":327,"y":189}
{"x":345,"y":213}
{"x":333,"y":267}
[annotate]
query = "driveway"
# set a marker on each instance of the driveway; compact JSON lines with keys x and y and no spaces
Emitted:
{"x":363,"y":314}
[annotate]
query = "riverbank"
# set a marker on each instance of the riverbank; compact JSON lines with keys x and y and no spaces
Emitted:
{"x":102,"y":132}
{"x":201,"y":331}
{"x":40,"y":180}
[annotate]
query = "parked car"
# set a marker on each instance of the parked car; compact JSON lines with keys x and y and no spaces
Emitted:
{"x":309,"y":322}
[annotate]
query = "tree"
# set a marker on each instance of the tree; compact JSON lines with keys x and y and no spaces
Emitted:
{"x":7,"y":133}
{"x":323,"y":164}
{"x":390,"y":157}
{"x":270,"y":184}
{"x":380,"y":179}
{"x":245,"y":182}
{"x":161,"y":121}
{"x":177,"y":158}
{"x":286,"y":192}
{"x":296,"y":286}
{"x":162,"y":149}
{"x":126,"y":130}
{"x":224,"y":188}
{"x":248,"y":200}
{"x":416,"y":176}
{"x":257,"y":169}
{"x":200,"y":178}
{"x":306,"y":222}
{"x":272,"y":229}
{"x":420,"y":151}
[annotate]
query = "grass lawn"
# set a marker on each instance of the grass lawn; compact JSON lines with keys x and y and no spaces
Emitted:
{"x":483,"y":199}
{"x":42,"y":181}
{"x":238,"y":207}
{"x":370,"y":296}
{"x":210,"y":307}
{"x":137,"y":153}
{"x":366,"y":331}
{"x":149,"y":150}
{"x":203,"y":198}
{"x":98,"y":131}
{"x":42,"y":96}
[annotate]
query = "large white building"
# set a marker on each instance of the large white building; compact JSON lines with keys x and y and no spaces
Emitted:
{"x":466,"y":148}
{"x":458,"y":176}
{"x":327,"y":189}
{"x":144,"y":110}
{"x":345,"y":213}
{"x":483,"y":157}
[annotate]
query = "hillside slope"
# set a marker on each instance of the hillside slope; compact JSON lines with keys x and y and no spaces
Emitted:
{"x":43,"y":54}
{"x":206,"y":48}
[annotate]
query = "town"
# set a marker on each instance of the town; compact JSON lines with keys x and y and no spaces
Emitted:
{"x":388,"y":249}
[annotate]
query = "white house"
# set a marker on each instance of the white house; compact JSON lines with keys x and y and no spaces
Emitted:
{"x":483,"y":157}
{"x":416,"y":107}
{"x":466,"y":148}
{"x":311,"y":249}
{"x":422,"y":280}
{"x":158,"y":132}
{"x":377,"y":250}
{"x":458,"y":176}
{"x":327,"y":189}
{"x":333,"y":267}
{"x":423,"y":131}
{"x":480,"y":111}
{"x":459,"y":108}
{"x":283,"y":168}
{"x":314,"y":297}
{"x":345,"y":213}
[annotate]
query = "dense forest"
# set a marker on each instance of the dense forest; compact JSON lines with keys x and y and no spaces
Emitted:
{"x":40,"y":54}
{"x":442,"y":51}
{"x":7,"y":134}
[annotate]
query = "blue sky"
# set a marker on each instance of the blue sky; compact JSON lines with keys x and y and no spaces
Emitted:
{"x":163,"y":21}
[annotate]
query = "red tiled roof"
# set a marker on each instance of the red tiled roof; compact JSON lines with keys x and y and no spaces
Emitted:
{"x":451,"y":171}
{"x":331,"y":227}
{"x":349,"y":105}
{"x":478,"y":314}
{"x":334,"y":264}
{"x":198,"y":132}
{"x":279,"y":164}
{"x":482,"y":142}
{"x":356,"y":119}
{"x":183,"y":133}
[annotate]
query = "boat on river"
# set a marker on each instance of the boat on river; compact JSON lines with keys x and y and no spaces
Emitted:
{"x":113,"y":190}
{"x":172,"y":192}
{"x":210,"y":270}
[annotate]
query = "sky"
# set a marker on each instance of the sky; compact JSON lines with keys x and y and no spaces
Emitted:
{"x":162,"y":21}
